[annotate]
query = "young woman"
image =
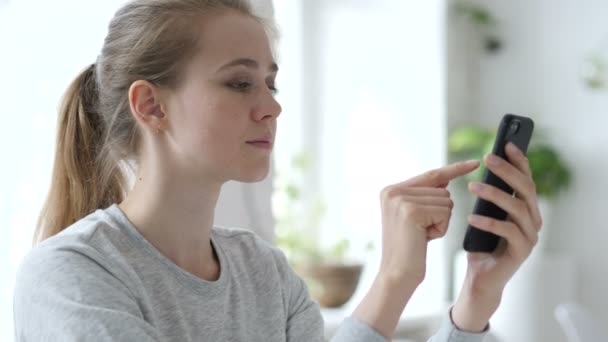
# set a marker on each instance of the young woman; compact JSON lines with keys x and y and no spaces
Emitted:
{"x":182,"y":93}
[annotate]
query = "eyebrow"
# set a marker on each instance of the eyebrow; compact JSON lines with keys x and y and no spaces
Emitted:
{"x":250,"y":63}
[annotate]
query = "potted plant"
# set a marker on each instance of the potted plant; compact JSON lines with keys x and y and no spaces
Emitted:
{"x":483,"y":22}
{"x":330,"y":275}
{"x":550,"y":173}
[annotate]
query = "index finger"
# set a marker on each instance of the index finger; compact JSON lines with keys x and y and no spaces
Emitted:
{"x":442,"y":176}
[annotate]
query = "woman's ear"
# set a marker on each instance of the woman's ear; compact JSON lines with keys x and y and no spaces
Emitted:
{"x":146,"y":106}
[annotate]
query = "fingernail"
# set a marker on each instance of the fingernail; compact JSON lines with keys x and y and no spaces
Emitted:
{"x":514,"y":149}
{"x":471,"y":162}
{"x":477,"y":187}
{"x":492,"y":160}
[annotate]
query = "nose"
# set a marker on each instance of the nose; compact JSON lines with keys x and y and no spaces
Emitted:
{"x":268,"y":107}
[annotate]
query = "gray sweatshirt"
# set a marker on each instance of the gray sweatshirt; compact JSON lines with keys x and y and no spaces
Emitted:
{"x":101,"y":280}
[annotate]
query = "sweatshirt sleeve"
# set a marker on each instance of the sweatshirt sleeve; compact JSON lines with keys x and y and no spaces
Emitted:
{"x":354,"y":330}
{"x":66,"y":295}
{"x":449,"y":333}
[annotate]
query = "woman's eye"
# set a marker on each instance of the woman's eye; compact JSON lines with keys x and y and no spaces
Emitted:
{"x":273,"y":89}
{"x":240,"y":86}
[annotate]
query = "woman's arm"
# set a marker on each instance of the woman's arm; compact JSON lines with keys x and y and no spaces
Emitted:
{"x":413,"y":213}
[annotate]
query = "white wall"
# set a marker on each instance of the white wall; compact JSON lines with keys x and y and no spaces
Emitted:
{"x":247,"y":206}
{"x":538,"y":73}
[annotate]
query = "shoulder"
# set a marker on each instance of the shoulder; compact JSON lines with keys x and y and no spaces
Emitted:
{"x":82,"y":250}
{"x":65,"y":279}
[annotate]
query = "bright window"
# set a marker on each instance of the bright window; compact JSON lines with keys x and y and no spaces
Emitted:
{"x":43,"y":44}
{"x":363,"y":89}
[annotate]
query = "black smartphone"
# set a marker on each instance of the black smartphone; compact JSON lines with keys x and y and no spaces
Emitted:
{"x":515,"y":129}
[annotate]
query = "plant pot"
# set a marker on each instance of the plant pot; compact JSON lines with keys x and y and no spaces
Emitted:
{"x":331,"y":284}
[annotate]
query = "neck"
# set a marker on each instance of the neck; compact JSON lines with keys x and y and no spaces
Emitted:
{"x":176,"y":218}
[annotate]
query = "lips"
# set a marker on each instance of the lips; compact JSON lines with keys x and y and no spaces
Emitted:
{"x":264,"y":139}
{"x":262,"y":142}
{"x":259,"y":141}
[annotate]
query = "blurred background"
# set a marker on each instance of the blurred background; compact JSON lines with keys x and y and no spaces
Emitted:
{"x":373,"y":92}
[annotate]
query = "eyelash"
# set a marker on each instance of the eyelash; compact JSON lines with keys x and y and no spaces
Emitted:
{"x":244,"y":87}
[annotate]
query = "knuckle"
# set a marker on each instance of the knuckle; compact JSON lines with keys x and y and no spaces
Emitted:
{"x":387,"y":193}
{"x":527,"y":250}
{"x":522,"y":253}
{"x":539,"y":223}
{"x":534,"y":240}
{"x":448,"y":210}
{"x":521,"y":207}
{"x":440,"y":233}
{"x":491,"y":191}
{"x":533,"y":188}
{"x":383,"y":193}
{"x":512,"y":228}
{"x":407,"y":209}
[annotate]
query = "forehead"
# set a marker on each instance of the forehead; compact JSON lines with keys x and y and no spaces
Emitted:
{"x":232,"y":35}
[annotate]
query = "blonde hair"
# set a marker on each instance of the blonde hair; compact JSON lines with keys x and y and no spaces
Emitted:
{"x":148,"y":40}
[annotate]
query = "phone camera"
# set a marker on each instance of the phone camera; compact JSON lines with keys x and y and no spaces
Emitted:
{"x":513,"y":127}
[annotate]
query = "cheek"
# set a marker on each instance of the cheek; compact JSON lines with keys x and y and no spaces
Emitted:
{"x":217,"y":127}
{"x":212,"y":124}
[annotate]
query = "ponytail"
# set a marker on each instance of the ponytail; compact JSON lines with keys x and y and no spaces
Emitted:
{"x":98,"y":140}
{"x":85,"y":177}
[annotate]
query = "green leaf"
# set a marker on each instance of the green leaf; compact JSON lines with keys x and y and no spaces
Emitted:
{"x":549,"y":172}
{"x":302,"y":161}
{"x":481,"y":16}
{"x":292,"y":191}
{"x":596,"y":76}
{"x":339,"y":249}
{"x":470,"y":140}
{"x":370,"y":246}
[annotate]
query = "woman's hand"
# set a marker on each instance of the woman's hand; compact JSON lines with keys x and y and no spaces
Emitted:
{"x":413,"y":213}
{"x":488,"y":274}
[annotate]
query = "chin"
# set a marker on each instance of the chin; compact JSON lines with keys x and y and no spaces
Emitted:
{"x":253,"y":176}
{"x":252,"y":179}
